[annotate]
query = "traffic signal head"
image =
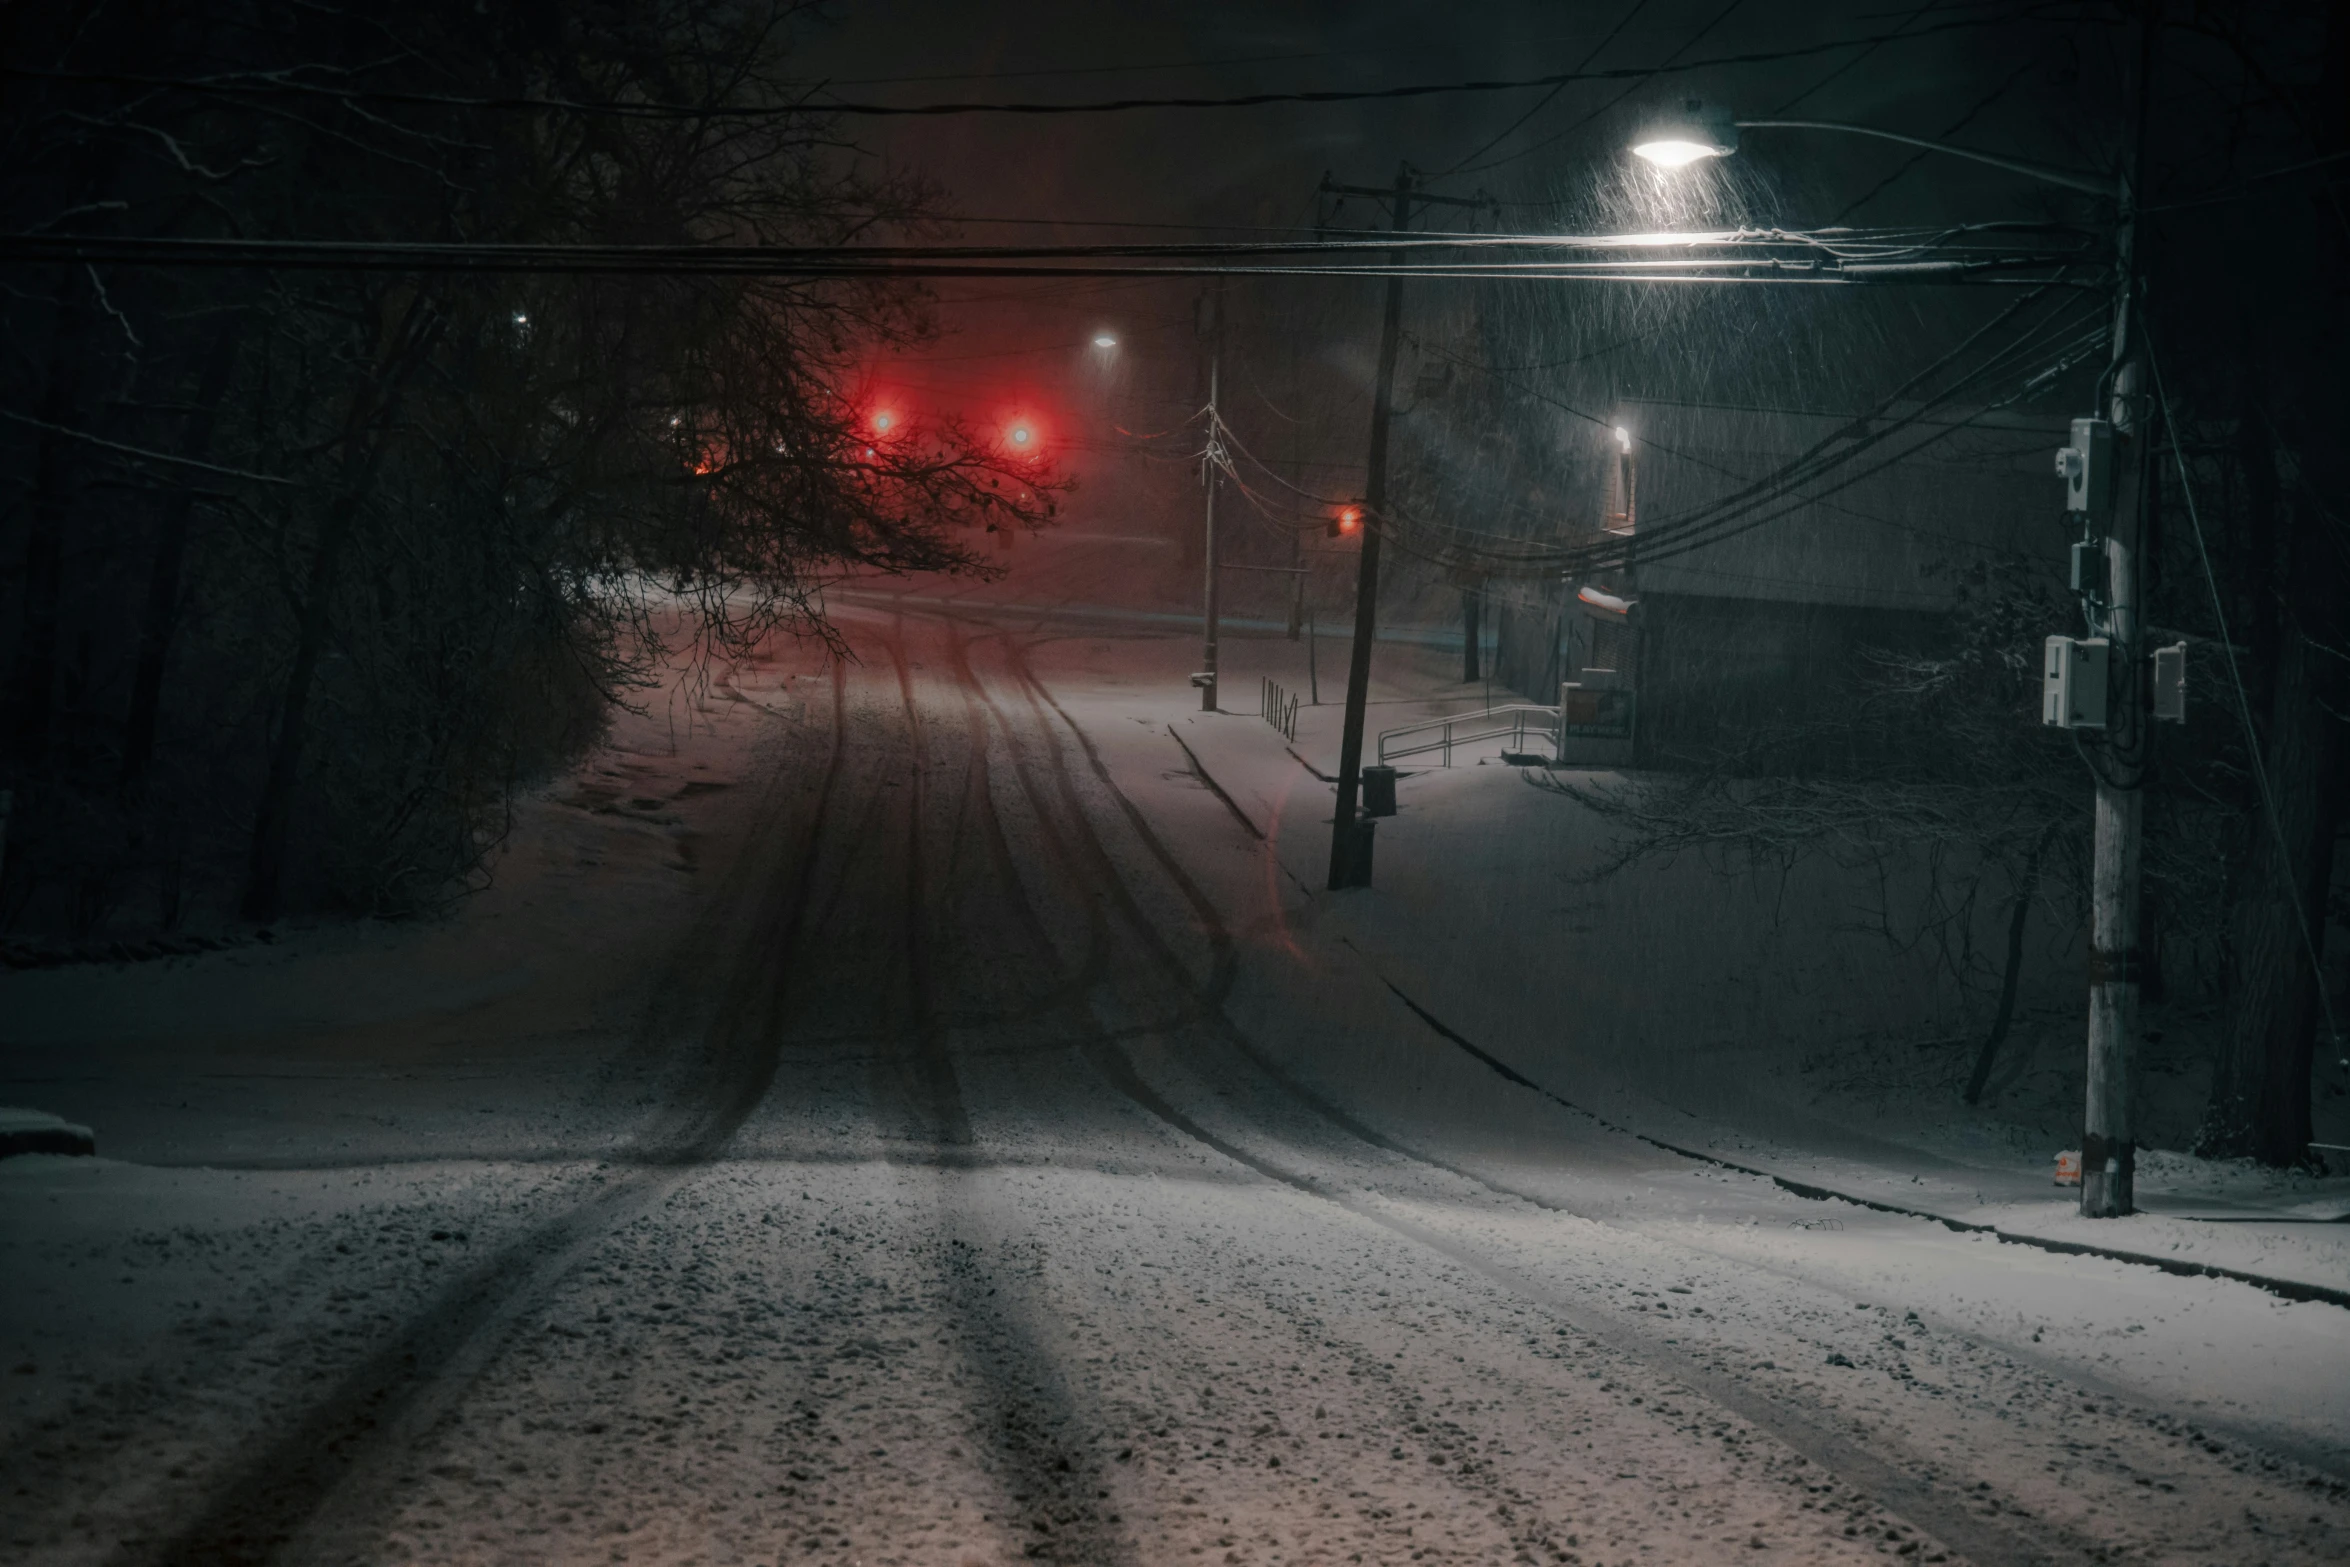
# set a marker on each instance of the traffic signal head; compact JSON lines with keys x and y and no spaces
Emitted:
{"x":1346,"y":523}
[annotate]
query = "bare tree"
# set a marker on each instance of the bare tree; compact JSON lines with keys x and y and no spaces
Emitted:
{"x":400,"y":539}
{"x":1933,"y":778}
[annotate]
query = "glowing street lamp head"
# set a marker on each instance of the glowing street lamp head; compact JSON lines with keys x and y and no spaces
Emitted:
{"x":1623,"y":438}
{"x":1104,"y":340}
{"x":1690,"y":132}
{"x":1673,"y":153}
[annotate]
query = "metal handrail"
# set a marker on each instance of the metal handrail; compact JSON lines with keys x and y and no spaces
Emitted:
{"x":1451,"y":736}
{"x":1276,"y":706}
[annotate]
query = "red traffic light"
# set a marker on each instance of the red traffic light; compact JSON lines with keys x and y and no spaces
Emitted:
{"x":1347,"y":523}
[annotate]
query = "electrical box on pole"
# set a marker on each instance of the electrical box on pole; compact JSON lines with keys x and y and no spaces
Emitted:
{"x":2073,"y":682}
{"x":2086,"y":467}
{"x":2088,"y":576}
{"x":2170,"y":684}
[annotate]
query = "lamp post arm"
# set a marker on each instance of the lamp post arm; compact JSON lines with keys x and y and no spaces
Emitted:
{"x":2071,"y":179}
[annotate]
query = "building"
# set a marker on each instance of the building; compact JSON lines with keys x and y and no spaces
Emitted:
{"x":1761,"y":593}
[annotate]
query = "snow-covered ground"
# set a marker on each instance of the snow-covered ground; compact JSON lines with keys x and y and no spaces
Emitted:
{"x":900,"y":1113}
{"x":1758,"y":1016}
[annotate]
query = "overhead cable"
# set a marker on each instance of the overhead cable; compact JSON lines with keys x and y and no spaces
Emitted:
{"x":2243,"y":702}
{"x":276,"y":84}
{"x":1969,"y":257}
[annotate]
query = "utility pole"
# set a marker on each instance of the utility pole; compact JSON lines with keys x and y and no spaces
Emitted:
{"x":1346,"y":857}
{"x":1313,"y":668}
{"x":2108,"y":1125}
{"x":1347,"y":862}
{"x":1210,"y":472}
{"x":1472,"y":631}
{"x":1297,"y":545}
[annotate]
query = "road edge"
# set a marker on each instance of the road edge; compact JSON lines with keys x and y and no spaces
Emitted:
{"x":1811,"y":1189}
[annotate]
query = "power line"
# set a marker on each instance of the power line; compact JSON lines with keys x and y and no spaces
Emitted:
{"x":1948,"y":131}
{"x":2243,"y":700}
{"x":1686,"y":45}
{"x":1848,"y":64}
{"x":1550,"y":97}
{"x":1128,"y":70}
{"x":1957,"y":254}
{"x":272,"y":84}
{"x":1749,"y":507}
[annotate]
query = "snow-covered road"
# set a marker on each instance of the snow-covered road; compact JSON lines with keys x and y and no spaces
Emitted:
{"x":942,"y":1212}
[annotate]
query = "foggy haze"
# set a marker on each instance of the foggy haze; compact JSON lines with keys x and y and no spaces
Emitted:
{"x":1257,"y":784}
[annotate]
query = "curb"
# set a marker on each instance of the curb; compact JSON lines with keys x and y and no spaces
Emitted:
{"x":2288,"y":1289}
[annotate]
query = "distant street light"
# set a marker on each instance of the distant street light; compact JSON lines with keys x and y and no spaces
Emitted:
{"x":1697,"y":130}
{"x":1104,"y":340}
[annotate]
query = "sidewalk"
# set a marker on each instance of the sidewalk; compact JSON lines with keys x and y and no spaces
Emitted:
{"x":1595,"y":996}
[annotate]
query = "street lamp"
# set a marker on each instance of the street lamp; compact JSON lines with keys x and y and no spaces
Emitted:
{"x":1695,"y":130}
{"x":1689,"y":134}
{"x":1105,"y":340}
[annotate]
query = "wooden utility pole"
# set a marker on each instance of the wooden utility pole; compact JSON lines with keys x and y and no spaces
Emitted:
{"x":2108,"y":1124}
{"x":2109,"y":1152}
{"x":1472,"y":632}
{"x":1348,"y":865}
{"x":1346,"y":857}
{"x":1297,"y":479}
{"x":1210,"y":472}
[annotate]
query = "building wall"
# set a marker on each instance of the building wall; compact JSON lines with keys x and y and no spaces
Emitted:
{"x":1713,"y":671}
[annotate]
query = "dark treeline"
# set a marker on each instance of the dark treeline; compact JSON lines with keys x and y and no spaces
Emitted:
{"x":2249,"y":305}
{"x":303,"y":574}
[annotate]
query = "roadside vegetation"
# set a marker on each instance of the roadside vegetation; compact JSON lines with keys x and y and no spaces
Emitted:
{"x":309,"y":571}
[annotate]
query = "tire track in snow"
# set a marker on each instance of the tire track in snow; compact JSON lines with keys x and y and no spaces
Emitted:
{"x":1949,"y":1519}
{"x":1047,"y":1461}
{"x":1085,"y":867}
{"x":311,"y":1486}
{"x":2159,"y":1428}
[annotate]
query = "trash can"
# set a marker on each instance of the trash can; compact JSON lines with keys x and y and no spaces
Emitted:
{"x":1378,"y":791}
